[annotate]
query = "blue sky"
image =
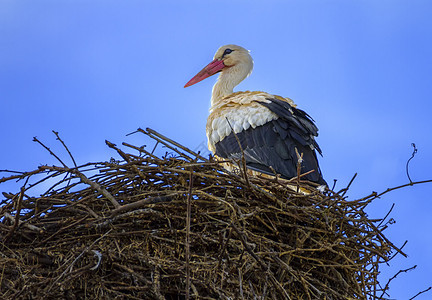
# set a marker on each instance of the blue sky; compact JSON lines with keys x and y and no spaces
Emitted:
{"x":96,"y":70}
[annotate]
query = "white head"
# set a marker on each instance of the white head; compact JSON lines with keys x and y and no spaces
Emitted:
{"x":234,"y":63}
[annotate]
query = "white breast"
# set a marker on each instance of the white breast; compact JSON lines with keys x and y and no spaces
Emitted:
{"x":238,"y":114}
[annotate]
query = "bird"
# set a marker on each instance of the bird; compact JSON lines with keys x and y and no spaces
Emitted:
{"x":267,"y":131}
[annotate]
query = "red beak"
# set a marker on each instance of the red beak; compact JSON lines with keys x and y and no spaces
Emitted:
{"x":209,"y":70}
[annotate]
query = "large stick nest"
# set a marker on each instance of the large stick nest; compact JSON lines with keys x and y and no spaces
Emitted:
{"x":149,"y":227}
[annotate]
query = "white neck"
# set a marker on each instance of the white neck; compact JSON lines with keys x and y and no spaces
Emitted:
{"x":228,"y":79}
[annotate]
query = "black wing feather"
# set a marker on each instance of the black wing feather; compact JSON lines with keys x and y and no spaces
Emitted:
{"x":273,"y":145}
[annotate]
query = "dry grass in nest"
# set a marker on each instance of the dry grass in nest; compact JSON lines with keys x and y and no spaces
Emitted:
{"x":149,"y":227}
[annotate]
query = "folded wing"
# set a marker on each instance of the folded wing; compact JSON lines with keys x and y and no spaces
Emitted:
{"x":271,"y":147}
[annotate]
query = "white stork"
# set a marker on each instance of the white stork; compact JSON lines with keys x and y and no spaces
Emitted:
{"x":270,"y":128}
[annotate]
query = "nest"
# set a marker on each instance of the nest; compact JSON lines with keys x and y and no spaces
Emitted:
{"x":179,"y":226}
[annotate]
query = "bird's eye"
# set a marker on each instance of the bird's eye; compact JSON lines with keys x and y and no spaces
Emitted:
{"x":226,"y":52}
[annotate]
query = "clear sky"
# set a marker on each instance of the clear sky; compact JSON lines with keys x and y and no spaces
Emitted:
{"x":96,"y":70}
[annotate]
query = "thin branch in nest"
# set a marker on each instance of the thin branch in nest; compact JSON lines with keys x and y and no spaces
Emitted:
{"x":260,"y":262}
{"x":11,"y":171}
{"x":64,"y":145}
{"x":168,"y":145}
{"x":119,"y":151}
{"x":125,"y":157}
{"x":343,"y":191}
{"x":143,"y":202}
{"x":62,"y":229}
{"x":16,"y":222}
{"x":188,"y":225}
{"x":161,"y":138}
{"x":401,"y":186}
{"x":98,"y":188}
{"x":78,"y":257}
{"x":156,"y":283}
{"x":419,"y":293}
{"x":334,"y":184}
{"x":394,"y":276}
{"x":299,"y":176}
{"x":407,"y":163}
{"x":240,"y":283}
{"x":385,"y":217}
{"x":19,"y":177}
{"x":394,"y":255}
{"x":35,"y":139}
{"x":21,"y":223}
{"x":85,"y":180}
{"x":154,"y":148}
{"x":141,"y":150}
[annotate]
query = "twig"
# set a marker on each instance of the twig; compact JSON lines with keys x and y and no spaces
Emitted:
{"x":17,"y":211}
{"x":128,"y":215}
{"x":385,"y":217}
{"x":11,"y":171}
{"x":35,"y":139}
{"x":143,"y":202}
{"x":401,"y":247}
{"x":156,"y":284}
{"x":402,"y":186}
{"x":343,"y":191}
{"x":260,"y":262}
{"x":64,"y":145}
{"x":188,"y":224}
{"x":21,"y":176}
{"x":394,"y":276}
{"x":78,"y":257}
{"x":62,"y":229}
{"x":240,"y":283}
{"x":334,"y":184}
{"x":22,"y":223}
{"x":154,"y":134}
{"x":125,"y":157}
{"x":141,"y":150}
{"x":299,"y":176}
{"x":419,"y":293}
{"x":154,"y":148}
{"x":97,"y":187}
{"x":84,"y":179}
{"x":412,"y":156}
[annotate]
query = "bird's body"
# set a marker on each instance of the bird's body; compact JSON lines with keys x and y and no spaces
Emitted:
{"x":267,"y":130}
